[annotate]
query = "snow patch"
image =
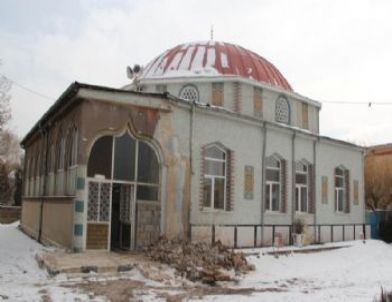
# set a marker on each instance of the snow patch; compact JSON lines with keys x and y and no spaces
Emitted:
{"x":210,"y":57}
{"x":224,"y":60}
{"x":186,"y":60}
{"x":176,"y":60}
{"x":197,"y":62}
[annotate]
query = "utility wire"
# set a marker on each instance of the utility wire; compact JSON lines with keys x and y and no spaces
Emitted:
{"x":28,"y":89}
{"x":369,"y":104}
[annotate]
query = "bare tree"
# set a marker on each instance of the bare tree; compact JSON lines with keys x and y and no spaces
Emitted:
{"x":10,"y":151}
{"x":5,"y":97}
{"x":378,"y":182}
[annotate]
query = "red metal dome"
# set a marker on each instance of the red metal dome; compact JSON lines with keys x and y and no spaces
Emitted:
{"x":213,"y":58}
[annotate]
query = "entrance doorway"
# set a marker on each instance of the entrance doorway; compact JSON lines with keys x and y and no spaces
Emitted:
{"x":124,"y":210}
{"x":122,"y":217}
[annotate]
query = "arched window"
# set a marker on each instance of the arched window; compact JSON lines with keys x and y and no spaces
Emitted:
{"x":30,"y":172}
{"x":26,"y":175}
{"x":123,"y":158}
{"x":60,"y":162}
{"x":71,"y":163}
{"x":282,"y":110}
{"x":273,"y":183}
{"x":190,"y":93}
{"x":301,"y":187}
{"x":52,"y":168}
{"x":71,"y":153}
{"x":215,"y":178}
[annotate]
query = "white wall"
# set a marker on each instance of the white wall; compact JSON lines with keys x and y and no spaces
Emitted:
{"x":204,"y":86}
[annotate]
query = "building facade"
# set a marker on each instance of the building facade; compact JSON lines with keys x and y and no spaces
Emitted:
{"x":208,"y":142}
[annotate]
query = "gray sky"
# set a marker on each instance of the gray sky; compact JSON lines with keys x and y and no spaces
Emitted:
{"x":337,"y":51}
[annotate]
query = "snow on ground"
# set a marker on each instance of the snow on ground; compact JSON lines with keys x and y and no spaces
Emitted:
{"x":20,"y":277}
{"x":355,"y":272}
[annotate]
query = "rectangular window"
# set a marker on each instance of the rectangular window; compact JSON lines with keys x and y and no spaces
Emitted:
{"x":207,"y":192}
{"x":301,"y":198}
{"x":272,"y":188}
{"x":217,"y":94}
{"x":145,"y":192}
{"x":275,"y":194}
{"x":339,"y":189}
{"x":214,"y":191}
{"x":301,"y":188}
{"x":219,"y":193}
{"x":340,"y":199}
{"x":305,"y":116}
{"x":258,"y":102}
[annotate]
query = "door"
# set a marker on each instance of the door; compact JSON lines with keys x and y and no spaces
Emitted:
{"x":122,"y":218}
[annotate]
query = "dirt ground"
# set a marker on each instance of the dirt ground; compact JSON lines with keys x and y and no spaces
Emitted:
{"x":135,"y":291}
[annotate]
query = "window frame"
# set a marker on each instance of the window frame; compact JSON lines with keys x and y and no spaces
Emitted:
{"x":269,"y":186}
{"x":340,"y":189}
{"x":299,"y":188}
{"x":258,"y":102}
{"x":278,"y":103}
{"x":188,"y":86}
{"x":135,"y":181}
{"x":218,"y":94}
{"x":212,"y":178}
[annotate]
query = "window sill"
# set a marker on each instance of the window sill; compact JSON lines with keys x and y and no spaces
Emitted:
{"x":214,"y":211}
{"x":50,"y":197}
{"x":299,"y":213}
{"x":341,"y":213}
{"x":270,"y":212}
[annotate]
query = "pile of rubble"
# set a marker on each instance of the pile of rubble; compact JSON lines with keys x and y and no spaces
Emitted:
{"x":200,"y":261}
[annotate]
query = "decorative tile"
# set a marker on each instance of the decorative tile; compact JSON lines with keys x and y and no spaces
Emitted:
{"x":78,"y":229}
{"x":80,"y":183}
{"x":79,"y":206}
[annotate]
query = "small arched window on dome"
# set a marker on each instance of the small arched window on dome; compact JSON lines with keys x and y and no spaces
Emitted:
{"x":282,"y":110}
{"x":189,"y":93}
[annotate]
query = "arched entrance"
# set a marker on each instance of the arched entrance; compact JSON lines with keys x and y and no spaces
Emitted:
{"x":124,"y":208}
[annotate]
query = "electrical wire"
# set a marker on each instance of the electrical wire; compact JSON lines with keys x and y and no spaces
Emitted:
{"x":27,"y":89}
{"x":369,"y":104}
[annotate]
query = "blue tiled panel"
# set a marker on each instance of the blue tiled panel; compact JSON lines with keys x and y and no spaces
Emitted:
{"x":78,"y":229}
{"x":80,"y":183}
{"x":79,"y":206}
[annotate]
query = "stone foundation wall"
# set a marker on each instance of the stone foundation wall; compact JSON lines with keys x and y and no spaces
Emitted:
{"x":148,"y":221}
{"x":9,"y":214}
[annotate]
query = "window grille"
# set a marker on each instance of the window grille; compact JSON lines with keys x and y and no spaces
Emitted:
{"x":189,"y":93}
{"x":282,"y":111}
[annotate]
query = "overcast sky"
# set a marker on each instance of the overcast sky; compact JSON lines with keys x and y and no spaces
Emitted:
{"x":336,"y":51}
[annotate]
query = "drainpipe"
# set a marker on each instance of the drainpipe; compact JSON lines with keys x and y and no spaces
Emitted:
{"x":315,"y":187}
{"x":263,"y":148}
{"x":191,"y":166}
{"x":293,"y":168}
{"x":45,"y":135}
{"x":363,"y":186}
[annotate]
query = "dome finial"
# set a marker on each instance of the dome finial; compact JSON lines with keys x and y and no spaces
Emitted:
{"x":212,"y":33}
